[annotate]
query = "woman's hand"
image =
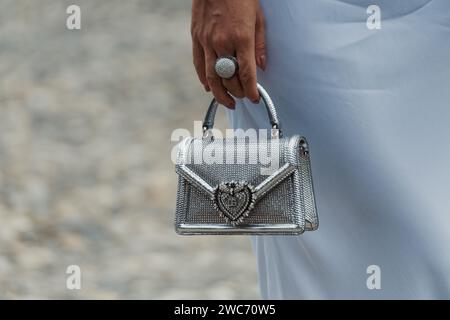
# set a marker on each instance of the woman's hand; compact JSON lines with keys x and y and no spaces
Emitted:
{"x":223,"y":28}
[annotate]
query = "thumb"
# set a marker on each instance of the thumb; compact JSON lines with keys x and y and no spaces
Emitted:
{"x":260,"y":40}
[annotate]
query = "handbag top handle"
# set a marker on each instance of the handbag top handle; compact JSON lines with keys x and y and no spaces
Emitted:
{"x":208,"y":123}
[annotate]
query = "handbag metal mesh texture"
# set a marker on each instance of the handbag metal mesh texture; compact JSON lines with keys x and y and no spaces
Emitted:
{"x":283,"y":199}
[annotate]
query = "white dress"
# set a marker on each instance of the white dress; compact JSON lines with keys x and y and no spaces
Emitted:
{"x":375,"y":107}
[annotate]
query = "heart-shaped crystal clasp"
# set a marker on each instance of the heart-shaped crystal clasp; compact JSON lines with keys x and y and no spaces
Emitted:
{"x":234,"y":200}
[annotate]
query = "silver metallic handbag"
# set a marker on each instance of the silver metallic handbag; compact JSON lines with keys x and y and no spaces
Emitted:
{"x":243,"y":196}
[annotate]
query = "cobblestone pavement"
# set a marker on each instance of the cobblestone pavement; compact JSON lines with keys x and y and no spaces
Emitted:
{"x":85,"y":170}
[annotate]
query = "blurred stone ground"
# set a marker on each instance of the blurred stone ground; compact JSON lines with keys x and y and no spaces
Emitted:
{"x":85,"y":170}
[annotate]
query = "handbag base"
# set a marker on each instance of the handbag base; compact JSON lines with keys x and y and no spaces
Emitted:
{"x":244,"y":229}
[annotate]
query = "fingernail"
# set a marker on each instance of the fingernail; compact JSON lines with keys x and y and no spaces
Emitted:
{"x":263,"y":62}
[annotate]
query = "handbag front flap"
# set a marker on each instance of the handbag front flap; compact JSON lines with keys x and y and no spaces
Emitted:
{"x":238,"y":175}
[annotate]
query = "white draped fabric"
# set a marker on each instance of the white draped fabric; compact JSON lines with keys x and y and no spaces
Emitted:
{"x":375,"y":108}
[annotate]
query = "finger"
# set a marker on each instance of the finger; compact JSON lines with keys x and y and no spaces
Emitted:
{"x":260,"y":40}
{"x":234,"y":86}
{"x":214,"y":81}
{"x":199,"y":63}
{"x":247,"y":68}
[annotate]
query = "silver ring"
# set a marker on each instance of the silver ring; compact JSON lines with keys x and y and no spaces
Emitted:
{"x":226,"y":67}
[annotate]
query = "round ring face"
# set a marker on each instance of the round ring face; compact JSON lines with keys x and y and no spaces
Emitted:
{"x":226,"y":67}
